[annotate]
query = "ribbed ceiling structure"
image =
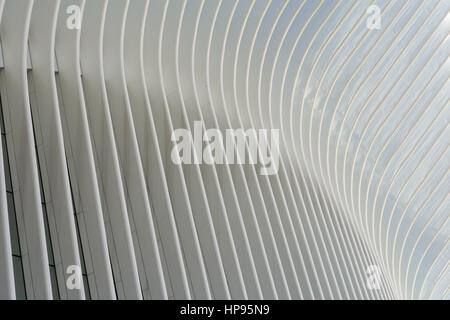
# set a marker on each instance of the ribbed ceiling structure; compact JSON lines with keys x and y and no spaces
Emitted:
{"x":87,"y":179}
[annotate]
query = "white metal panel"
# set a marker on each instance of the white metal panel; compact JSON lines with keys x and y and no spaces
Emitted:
{"x":46,"y":110}
{"x":7,"y":289}
{"x":109,"y":174}
{"x":14,"y":34}
{"x":79,"y":152}
{"x":127,"y":146}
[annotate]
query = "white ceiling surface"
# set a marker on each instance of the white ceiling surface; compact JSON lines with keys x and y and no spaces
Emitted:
{"x":363,"y":115}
